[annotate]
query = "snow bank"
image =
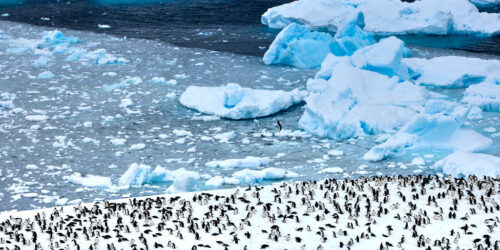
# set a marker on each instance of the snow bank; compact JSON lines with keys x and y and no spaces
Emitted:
{"x":90,"y":180}
{"x":388,"y":17}
{"x":247,"y":162}
{"x":298,"y":46}
{"x":466,"y":163}
{"x":438,"y":126}
{"x":485,"y":95}
{"x":235,"y":102}
{"x":355,"y":102}
{"x":452,"y":71}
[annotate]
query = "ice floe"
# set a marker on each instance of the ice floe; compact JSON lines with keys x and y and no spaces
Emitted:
{"x":462,"y":164}
{"x":388,"y":17}
{"x":247,"y":162}
{"x":90,"y":180}
{"x":452,"y":71}
{"x":439,"y":126}
{"x":235,"y":102}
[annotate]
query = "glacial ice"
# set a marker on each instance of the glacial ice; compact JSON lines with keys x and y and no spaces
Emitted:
{"x":247,"y":162}
{"x":387,"y":17}
{"x":136,"y":175}
{"x":451,"y":71}
{"x":355,"y":102}
{"x":463,"y":163}
{"x":90,"y":180}
{"x":296,"y":45}
{"x":486,"y":3}
{"x":485,"y":95}
{"x":235,"y":102}
{"x":383,"y":57}
{"x":440,"y":125}
{"x":300,"y":47}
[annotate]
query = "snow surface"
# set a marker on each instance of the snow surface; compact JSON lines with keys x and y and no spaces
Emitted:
{"x":436,"y":209}
{"x":463,"y":164}
{"x":235,"y":102}
{"x":440,"y":126}
{"x":387,"y":17}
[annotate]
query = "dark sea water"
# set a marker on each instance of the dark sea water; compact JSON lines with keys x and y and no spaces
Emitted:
{"x":221,"y":25}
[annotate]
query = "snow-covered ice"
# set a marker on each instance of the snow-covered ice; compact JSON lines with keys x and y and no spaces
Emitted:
{"x":388,"y":17}
{"x":247,"y":162}
{"x":90,"y":180}
{"x":235,"y":102}
{"x":452,"y":71}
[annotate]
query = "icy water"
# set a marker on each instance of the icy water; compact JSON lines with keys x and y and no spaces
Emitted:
{"x":71,"y":124}
{"x":222,"y":25}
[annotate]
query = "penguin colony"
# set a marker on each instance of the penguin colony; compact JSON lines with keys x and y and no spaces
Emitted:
{"x":426,"y":212}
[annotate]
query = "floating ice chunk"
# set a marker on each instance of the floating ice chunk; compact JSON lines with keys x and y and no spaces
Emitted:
{"x":118,"y":141}
{"x":137,"y":174}
{"x":335,"y":152}
{"x":247,"y":162}
{"x":465,"y":163}
{"x":7,"y":100}
{"x":215,"y":182}
{"x":61,"y":201}
{"x":138,"y":146}
{"x":162,"y":81}
{"x":36,"y":118}
{"x":46,"y":75}
{"x":42,"y":61}
{"x":254,"y":102}
{"x":439,"y":126}
{"x":123,"y":83}
{"x":452,"y":71}
{"x":475,"y":113}
{"x":332,"y":170}
{"x":419,"y":161}
{"x":103,"y":26}
{"x":98,"y":57}
{"x":356,"y":102}
{"x":383,"y":57}
{"x":90,"y":180}
{"x":387,"y":17}
{"x":485,"y":95}
{"x":296,"y":45}
{"x":55,"y":37}
{"x":183,"y":181}
{"x":225,"y":137}
{"x":248,"y":176}
{"x":181,"y":132}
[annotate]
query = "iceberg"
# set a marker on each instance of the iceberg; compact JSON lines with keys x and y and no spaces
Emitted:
{"x":235,"y":102}
{"x":136,"y":175}
{"x":440,"y":125}
{"x":300,"y":47}
{"x":90,"y":180}
{"x":383,"y":57}
{"x":356,"y":102}
{"x":486,"y":3}
{"x":387,"y":17}
{"x":247,"y":162}
{"x":451,"y":71}
{"x":485,"y":95}
{"x":462,"y":164}
{"x":296,"y":45}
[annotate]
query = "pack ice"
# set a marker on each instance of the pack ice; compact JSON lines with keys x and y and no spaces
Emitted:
{"x":364,"y":94}
{"x":235,"y":102}
{"x":440,"y":125}
{"x":298,"y":46}
{"x":387,"y":17}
